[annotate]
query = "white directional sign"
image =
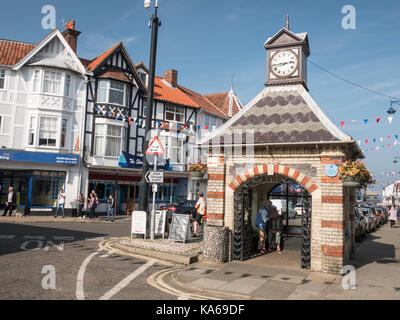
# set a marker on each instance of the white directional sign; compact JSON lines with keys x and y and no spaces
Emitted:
{"x":155,"y":147}
{"x":155,"y":177}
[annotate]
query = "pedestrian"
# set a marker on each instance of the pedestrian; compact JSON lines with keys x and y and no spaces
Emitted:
{"x":261,"y":225}
{"x":201,"y":211}
{"x":111,"y":208}
{"x":93,"y":202}
{"x":81,"y":204}
{"x":398,"y":214}
{"x":275,"y":229}
{"x":392,"y":216}
{"x":11,"y":202}
{"x":61,"y":203}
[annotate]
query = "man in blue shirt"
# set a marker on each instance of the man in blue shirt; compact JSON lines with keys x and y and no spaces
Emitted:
{"x":261,"y":224}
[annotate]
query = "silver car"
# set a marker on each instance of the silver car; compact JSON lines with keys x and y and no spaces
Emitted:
{"x":370,"y":218}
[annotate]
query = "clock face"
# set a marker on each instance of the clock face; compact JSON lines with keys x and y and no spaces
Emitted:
{"x":284,"y":63}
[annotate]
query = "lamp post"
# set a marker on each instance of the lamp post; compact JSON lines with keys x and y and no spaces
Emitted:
{"x":155,"y":23}
{"x":391,"y":109}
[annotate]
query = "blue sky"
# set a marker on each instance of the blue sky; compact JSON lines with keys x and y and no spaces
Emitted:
{"x":209,"y":42}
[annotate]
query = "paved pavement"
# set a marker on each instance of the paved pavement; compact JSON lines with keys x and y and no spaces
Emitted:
{"x":376,"y":270}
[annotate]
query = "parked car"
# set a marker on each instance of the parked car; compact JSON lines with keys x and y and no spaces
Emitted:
{"x":370,"y":218}
{"x":361,"y":224}
{"x":384,"y":214}
{"x":281,"y":207}
{"x":180,"y":207}
{"x":378,"y":213}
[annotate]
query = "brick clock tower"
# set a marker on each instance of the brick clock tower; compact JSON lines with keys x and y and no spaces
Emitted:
{"x":287,"y":54}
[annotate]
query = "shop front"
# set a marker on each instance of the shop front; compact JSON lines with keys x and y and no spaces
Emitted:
{"x":125,"y":185}
{"x":37,"y":179}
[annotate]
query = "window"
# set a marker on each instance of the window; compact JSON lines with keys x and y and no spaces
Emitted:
{"x":67,"y":89}
{"x":111,"y":92}
{"x":174,"y":113}
{"x":176,"y":150}
{"x":2,"y":79}
{"x":32,"y":130}
{"x":117,"y":93}
{"x":52,"y":82}
{"x":206,"y":120}
{"x":63,"y":132}
{"x":48,"y":132}
{"x":36,"y":81}
{"x":109,"y":140}
{"x":143,"y":77}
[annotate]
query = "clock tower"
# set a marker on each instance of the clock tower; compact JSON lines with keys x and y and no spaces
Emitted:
{"x":287,"y":54}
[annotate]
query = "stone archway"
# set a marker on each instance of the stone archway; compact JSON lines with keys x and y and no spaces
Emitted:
{"x":243,"y":184}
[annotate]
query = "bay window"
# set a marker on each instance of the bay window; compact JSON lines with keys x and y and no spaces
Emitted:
{"x":32,"y":131}
{"x":52,"y":82}
{"x":67,"y":86}
{"x":36,"y":81}
{"x":176,"y":150}
{"x":110,"y":140}
{"x":2,"y":79}
{"x":63,"y":132}
{"x":174,"y":113}
{"x":48,"y":131}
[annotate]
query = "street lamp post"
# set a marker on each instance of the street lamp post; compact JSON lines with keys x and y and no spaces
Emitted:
{"x":391,"y":109}
{"x":155,"y":23}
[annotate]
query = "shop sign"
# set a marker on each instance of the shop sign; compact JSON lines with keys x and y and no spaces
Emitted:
{"x":180,"y":228}
{"x":39,"y":157}
{"x":139,"y":223}
{"x":128,"y":160}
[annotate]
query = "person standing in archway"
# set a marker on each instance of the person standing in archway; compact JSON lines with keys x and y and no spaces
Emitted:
{"x":275,"y":229}
{"x":261,"y":225}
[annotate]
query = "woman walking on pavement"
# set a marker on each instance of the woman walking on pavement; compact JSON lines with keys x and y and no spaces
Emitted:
{"x":92,"y":204}
{"x":392,"y":216}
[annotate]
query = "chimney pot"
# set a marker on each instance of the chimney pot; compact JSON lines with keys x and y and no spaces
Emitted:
{"x":172,"y":77}
{"x":71,"y":35}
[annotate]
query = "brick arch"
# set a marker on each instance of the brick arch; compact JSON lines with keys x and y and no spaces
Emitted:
{"x":271,"y":169}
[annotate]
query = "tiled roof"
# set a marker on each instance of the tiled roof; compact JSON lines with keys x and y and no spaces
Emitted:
{"x":12,"y":52}
{"x":97,"y":61}
{"x":281,"y":116}
{"x":165,"y":93}
{"x":221,"y":101}
{"x":115,"y":75}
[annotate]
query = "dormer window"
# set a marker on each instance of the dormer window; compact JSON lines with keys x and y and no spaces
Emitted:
{"x":113,"y":92}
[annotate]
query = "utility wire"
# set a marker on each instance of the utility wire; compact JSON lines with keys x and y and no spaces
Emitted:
{"x":353,"y":83}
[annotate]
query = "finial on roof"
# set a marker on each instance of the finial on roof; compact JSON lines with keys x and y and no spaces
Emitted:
{"x":287,"y":22}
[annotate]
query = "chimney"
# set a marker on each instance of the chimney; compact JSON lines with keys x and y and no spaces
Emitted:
{"x":172,"y":77}
{"x":71,"y":35}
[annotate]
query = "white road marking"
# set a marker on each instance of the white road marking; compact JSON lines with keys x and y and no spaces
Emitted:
{"x":34,"y":237}
{"x":80,"y":294}
{"x":95,"y":239}
{"x":127,"y":280}
{"x":64,"y":238}
{"x":6,"y":237}
{"x":106,"y":255}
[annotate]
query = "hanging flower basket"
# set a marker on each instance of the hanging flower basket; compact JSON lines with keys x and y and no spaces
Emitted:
{"x":196,"y":176}
{"x":355,"y":174}
{"x":197,"y":171}
{"x":351,"y":182}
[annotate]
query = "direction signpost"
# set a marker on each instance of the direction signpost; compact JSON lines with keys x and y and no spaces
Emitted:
{"x":154,"y":177}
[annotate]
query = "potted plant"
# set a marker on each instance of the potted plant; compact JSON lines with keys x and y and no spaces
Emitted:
{"x":355,"y":173}
{"x":197,"y":170}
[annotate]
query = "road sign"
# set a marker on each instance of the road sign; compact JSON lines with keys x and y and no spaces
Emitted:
{"x":155,"y":188}
{"x":155,"y":177}
{"x":155,"y":147}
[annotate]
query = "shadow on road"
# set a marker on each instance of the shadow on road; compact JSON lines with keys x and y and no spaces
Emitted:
{"x":370,"y":250}
{"x":29,"y":237}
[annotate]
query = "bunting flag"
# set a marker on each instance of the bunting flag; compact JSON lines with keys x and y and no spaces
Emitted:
{"x":342,"y":123}
{"x":378,"y":119}
{"x":390,"y":119}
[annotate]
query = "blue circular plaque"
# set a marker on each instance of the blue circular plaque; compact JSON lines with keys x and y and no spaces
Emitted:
{"x":331,"y":170}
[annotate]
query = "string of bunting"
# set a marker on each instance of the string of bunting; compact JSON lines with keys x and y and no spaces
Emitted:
{"x":366,"y":121}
